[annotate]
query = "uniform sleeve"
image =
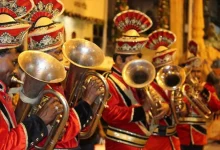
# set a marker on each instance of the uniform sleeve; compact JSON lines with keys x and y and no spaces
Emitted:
{"x":73,"y":128}
{"x":209,"y":94}
{"x":12,"y":136}
{"x":84,"y":112}
{"x":15,"y":138}
{"x":79,"y":117}
{"x":36,"y":129}
{"x":117,"y":112}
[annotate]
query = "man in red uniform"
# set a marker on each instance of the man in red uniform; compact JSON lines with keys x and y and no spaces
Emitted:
{"x":164,"y":137}
{"x":125,"y":116}
{"x":192,"y":130}
{"x":32,"y":129}
{"x":213,"y":77}
{"x":47,"y":36}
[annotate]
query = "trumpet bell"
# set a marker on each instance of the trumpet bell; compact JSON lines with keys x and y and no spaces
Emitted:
{"x":138,"y":73}
{"x":171,"y":77}
{"x":41,"y":66}
{"x":83,"y":53}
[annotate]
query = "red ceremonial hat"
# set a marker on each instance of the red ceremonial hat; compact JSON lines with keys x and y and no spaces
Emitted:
{"x":12,"y":32}
{"x":160,"y":40}
{"x":45,"y":34}
{"x":131,"y":23}
{"x":193,"y":60}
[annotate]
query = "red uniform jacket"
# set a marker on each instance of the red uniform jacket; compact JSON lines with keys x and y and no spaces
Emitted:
{"x":124,"y":115}
{"x":75,"y":123}
{"x":164,"y":137}
{"x":196,"y":133}
{"x":15,"y":136}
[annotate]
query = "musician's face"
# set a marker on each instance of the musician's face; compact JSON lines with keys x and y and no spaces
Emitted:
{"x":8,"y":65}
{"x":122,"y":63}
{"x":216,"y":71}
{"x":56,"y":53}
{"x":196,"y":73}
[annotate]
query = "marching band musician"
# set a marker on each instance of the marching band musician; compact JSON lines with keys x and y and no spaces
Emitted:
{"x":13,"y":135}
{"x":125,"y":116}
{"x":213,"y":76}
{"x":192,"y":130}
{"x":47,"y":36}
{"x":164,"y":136}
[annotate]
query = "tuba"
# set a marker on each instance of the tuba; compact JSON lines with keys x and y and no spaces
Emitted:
{"x":139,"y":74}
{"x":171,"y":78}
{"x":192,"y":93}
{"x":40,"y":69}
{"x":84,"y":56}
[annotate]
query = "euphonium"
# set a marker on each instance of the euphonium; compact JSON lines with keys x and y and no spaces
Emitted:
{"x":171,"y":78}
{"x":40,"y":69}
{"x":84,"y":56}
{"x":192,"y":92}
{"x":139,"y":74}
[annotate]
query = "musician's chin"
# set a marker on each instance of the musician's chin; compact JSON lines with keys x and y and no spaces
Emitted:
{"x":12,"y":85}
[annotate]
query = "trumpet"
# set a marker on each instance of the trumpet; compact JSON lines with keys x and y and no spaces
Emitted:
{"x":139,"y":74}
{"x":84,"y":56}
{"x":40,"y":68}
{"x":171,"y":78}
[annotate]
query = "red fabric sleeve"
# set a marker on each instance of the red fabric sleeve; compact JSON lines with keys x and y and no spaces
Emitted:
{"x":73,"y":128}
{"x":15,"y":138}
{"x":117,"y":111}
{"x":213,"y":101}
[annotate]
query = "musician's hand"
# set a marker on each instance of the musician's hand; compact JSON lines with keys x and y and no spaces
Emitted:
{"x":93,"y":89}
{"x":50,"y":110}
{"x":164,"y":109}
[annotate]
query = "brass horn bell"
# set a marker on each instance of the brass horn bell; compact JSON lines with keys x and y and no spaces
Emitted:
{"x":138,"y":73}
{"x":83,"y":53}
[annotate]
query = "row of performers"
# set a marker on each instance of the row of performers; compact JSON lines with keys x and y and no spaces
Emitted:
{"x":165,"y":113}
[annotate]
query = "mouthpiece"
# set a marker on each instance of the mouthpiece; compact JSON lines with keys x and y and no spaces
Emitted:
{"x":14,"y":79}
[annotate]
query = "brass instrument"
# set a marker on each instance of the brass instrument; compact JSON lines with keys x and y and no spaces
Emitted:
{"x":171,"y":78}
{"x":139,"y":74}
{"x":192,"y":92}
{"x":40,"y":69}
{"x":84,"y":56}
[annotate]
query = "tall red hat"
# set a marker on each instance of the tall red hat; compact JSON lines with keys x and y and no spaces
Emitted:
{"x":160,"y":40}
{"x":131,"y":23}
{"x":12,"y":32}
{"x":193,"y":60}
{"x":45,"y":34}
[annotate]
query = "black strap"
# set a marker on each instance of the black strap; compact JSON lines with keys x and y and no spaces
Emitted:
{"x":200,"y":128}
{"x":6,"y":114}
{"x":126,"y":98}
